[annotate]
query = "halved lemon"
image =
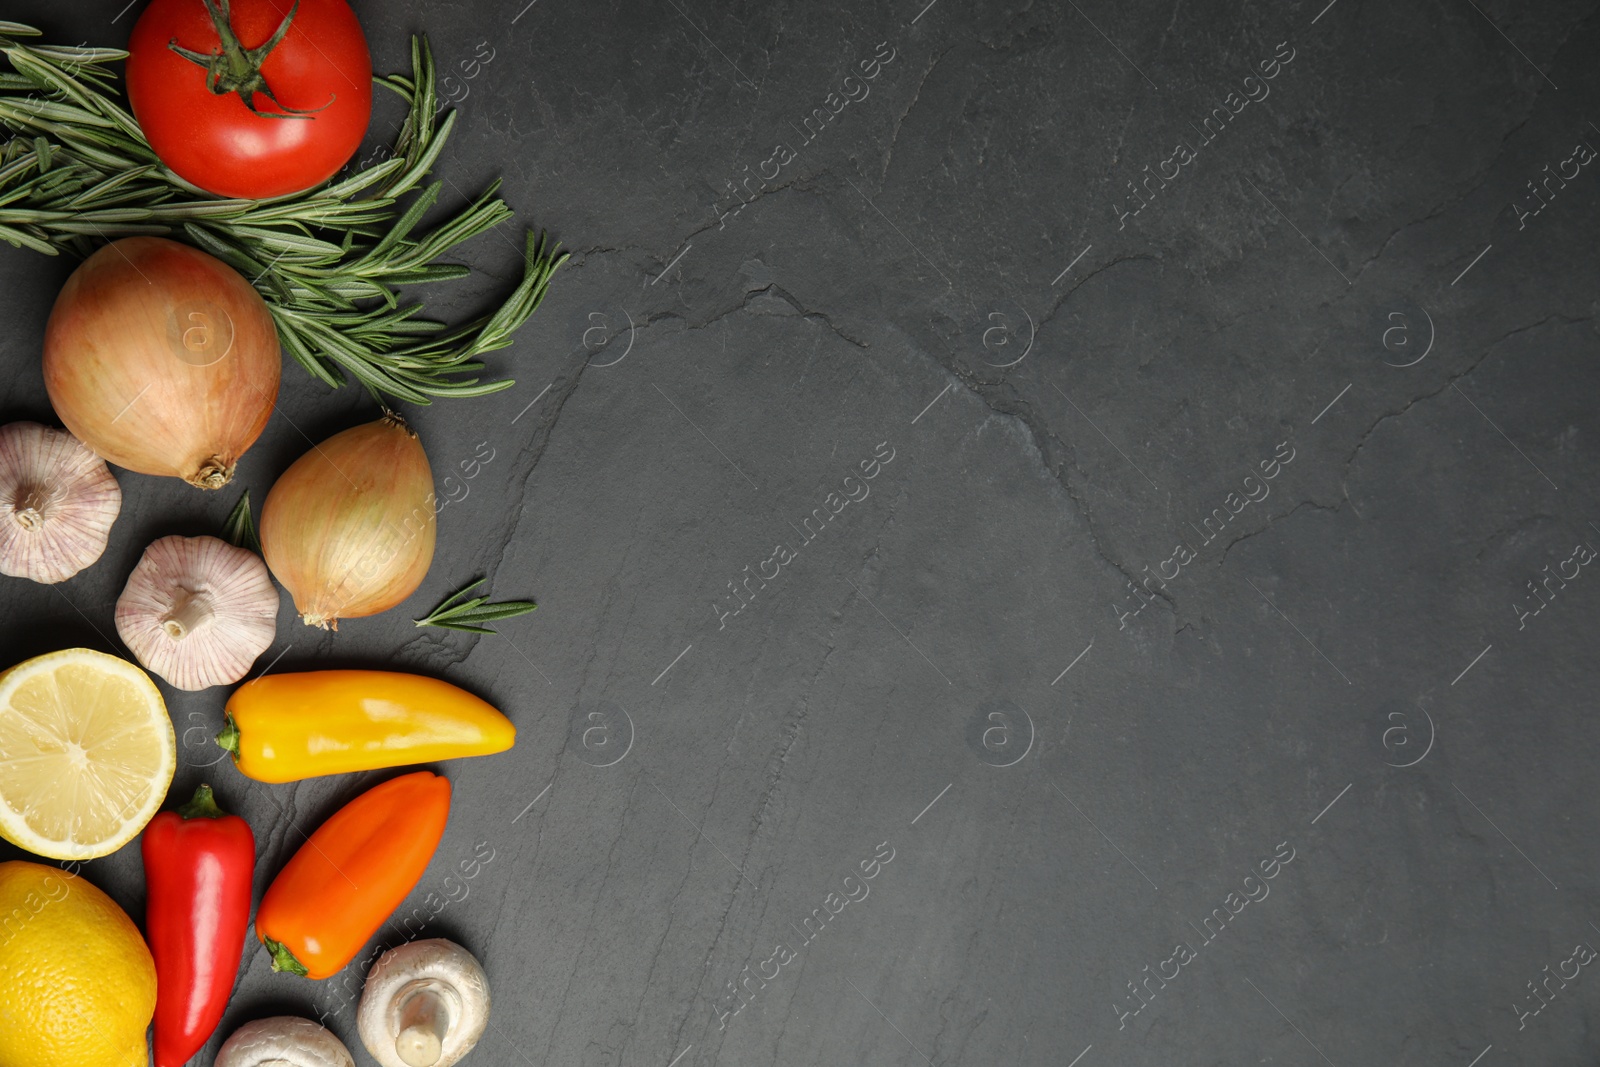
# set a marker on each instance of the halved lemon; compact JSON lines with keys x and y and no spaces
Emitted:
{"x":87,"y":752}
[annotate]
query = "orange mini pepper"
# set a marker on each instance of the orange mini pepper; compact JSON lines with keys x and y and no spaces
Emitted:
{"x":351,"y":874}
{"x":285,"y":727}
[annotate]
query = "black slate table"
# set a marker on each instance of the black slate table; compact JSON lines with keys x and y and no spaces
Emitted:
{"x":1040,"y":514}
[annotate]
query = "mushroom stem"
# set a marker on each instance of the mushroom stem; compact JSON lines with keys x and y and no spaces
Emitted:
{"x":29,"y":506}
{"x":425,"y":1005}
{"x":188,"y":614}
{"x":424,"y":1021}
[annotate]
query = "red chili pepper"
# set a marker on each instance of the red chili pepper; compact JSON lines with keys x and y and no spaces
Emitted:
{"x":198,"y":863}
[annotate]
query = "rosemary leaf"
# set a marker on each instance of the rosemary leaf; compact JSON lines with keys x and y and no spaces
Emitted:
{"x":22,"y":239}
{"x":240,"y":529}
{"x":470,"y":615}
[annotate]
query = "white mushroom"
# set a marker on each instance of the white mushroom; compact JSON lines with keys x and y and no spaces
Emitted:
{"x":57,"y":503}
{"x":425,"y":1005}
{"x":198,"y":611}
{"x":283,"y":1041}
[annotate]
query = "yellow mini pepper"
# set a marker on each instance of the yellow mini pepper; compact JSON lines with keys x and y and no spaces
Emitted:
{"x":285,"y":727}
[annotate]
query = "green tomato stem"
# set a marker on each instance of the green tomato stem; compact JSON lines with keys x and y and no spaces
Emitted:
{"x":234,"y":68}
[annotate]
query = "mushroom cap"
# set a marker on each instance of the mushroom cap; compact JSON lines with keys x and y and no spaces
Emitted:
{"x":227,"y":588}
{"x":283,"y":1039}
{"x":432,"y":965}
{"x":57,"y":503}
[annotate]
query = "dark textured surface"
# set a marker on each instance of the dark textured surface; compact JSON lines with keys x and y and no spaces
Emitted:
{"x":1067,"y":394}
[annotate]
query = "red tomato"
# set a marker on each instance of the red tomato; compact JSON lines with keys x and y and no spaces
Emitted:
{"x":193,"y":64}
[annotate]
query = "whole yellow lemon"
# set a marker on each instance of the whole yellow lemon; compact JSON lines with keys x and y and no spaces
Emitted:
{"x":77,"y":984}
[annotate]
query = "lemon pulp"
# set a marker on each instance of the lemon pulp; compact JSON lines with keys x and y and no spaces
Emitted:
{"x":87,"y":752}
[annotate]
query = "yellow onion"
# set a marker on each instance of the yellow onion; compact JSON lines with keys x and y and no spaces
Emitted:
{"x":162,"y":359}
{"x":349,"y":528}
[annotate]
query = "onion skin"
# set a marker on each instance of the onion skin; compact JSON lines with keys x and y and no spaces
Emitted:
{"x":162,"y":359}
{"x":349,"y":528}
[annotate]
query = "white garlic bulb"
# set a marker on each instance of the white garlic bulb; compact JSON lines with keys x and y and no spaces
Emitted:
{"x":198,"y":611}
{"x":57,"y":503}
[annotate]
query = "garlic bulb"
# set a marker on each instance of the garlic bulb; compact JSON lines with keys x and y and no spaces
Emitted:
{"x":57,"y":503}
{"x":349,"y":528}
{"x":198,"y":611}
{"x":162,"y":359}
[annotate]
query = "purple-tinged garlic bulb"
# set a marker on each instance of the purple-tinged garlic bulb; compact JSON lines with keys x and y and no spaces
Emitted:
{"x":198,"y":611}
{"x":57,"y":503}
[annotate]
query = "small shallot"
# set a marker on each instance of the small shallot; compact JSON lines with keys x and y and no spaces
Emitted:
{"x":57,"y":503}
{"x":198,"y":611}
{"x":349,"y":527}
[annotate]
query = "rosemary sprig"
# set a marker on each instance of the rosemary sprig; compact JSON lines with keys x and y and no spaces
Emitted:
{"x":329,"y":262}
{"x":471,"y":614}
{"x":240,"y":529}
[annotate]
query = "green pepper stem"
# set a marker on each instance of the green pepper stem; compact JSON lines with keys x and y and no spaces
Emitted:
{"x":283,"y":959}
{"x":202,"y":806}
{"x":228,"y":737}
